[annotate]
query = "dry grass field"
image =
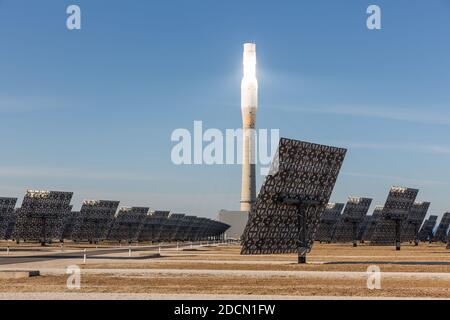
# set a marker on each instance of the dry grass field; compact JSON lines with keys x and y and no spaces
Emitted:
{"x":333,"y":270}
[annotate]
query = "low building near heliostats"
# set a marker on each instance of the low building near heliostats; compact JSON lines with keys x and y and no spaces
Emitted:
{"x":236,"y":219}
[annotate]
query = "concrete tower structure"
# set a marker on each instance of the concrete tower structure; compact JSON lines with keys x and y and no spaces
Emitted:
{"x":249,"y":105}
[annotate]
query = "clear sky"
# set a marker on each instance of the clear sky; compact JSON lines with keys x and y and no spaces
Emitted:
{"x":92,"y":111}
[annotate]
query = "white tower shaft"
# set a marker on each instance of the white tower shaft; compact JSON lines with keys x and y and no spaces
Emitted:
{"x":249,"y":105}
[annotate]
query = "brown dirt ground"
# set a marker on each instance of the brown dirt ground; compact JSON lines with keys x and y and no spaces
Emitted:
{"x":333,"y":256}
{"x":323,"y":257}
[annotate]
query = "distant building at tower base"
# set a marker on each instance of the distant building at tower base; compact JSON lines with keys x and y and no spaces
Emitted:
{"x":237,"y":221}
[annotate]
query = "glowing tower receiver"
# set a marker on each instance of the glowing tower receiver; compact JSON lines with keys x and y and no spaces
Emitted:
{"x":249,"y":105}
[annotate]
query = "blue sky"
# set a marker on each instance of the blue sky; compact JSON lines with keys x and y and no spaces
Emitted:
{"x":92,"y":111}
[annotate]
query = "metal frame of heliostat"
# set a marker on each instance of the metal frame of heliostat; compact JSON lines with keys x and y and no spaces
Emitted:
{"x":150,"y":229}
{"x":441,"y":231}
{"x":426,"y":231}
{"x":411,"y":226}
{"x":395,"y":211}
{"x":6,"y":215}
{"x":296,"y":191}
{"x":41,"y":216}
{"x":372,"y":223}
{"x":94,"y":220}
{"x":328,"y":221}
{"x":126,"y":224}
{"x":347,"y":226}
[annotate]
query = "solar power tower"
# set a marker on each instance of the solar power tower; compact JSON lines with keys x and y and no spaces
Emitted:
{"x":395,"y":211}
{"x":126,"y":224}
{"x":426,"y":232}
{"x":353,"y":215}
{"x":411,"y":226}
{"x":328,"y":221}
{"x":375,"y":218}
{"x":6,"y":215}
{"x":441,"y":231}
{"x":40,"y":218}
{"x":95,"y":219}
{"x":296,"y":191}
{"x":150,"y":229}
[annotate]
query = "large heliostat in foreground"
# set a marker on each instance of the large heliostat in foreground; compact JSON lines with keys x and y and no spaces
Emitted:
{"x":295,"y":193}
